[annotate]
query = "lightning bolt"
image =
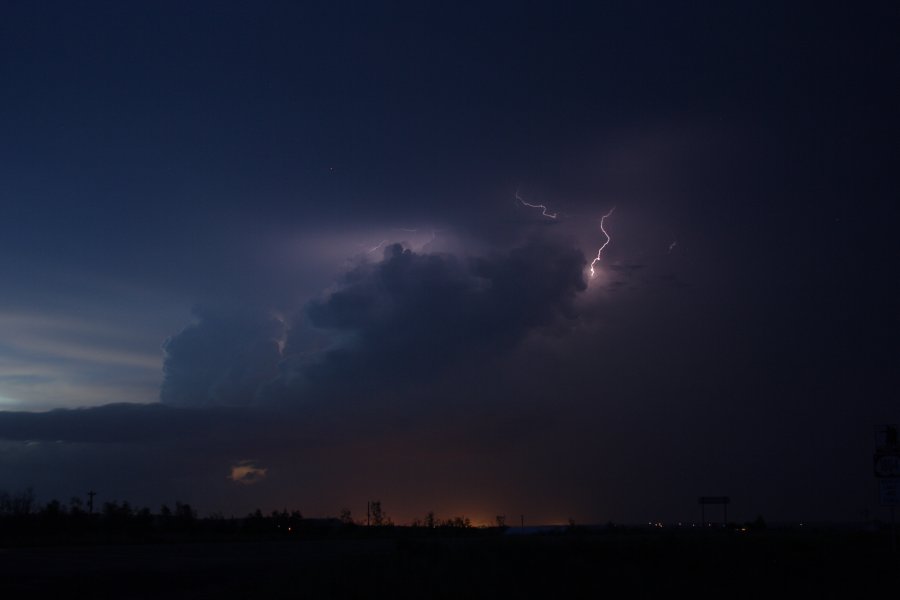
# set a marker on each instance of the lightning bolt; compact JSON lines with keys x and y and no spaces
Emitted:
{"x":374,"y":248}
{"x":606,"y":243}
{"x":540,"y":206}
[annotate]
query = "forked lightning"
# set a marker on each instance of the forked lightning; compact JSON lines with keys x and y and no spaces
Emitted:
{"x":606,"y":243}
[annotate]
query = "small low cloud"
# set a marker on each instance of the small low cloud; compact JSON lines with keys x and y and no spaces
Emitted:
{"x":247,"y":472}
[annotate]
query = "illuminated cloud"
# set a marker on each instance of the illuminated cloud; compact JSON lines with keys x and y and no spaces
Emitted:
{"x":405,"y":317}
{"x":415,"y":314}
{"x":246,"y":472}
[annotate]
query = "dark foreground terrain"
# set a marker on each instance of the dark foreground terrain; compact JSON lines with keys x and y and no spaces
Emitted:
{"x":633,"y":564}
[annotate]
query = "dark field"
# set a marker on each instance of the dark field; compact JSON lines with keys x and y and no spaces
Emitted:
{"x":635,"y":564}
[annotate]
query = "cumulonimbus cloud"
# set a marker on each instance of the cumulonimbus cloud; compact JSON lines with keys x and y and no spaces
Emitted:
{"x":221,"y":359}
{"x":400,"y":318}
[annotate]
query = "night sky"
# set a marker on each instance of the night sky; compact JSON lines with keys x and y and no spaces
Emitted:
{"x":279,"y":255}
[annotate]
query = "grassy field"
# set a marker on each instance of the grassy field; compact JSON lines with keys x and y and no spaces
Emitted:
{"x":824,"y":564}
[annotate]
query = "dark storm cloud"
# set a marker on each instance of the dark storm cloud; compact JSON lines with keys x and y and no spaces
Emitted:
{"x":402,"y":318}
{"x":118,"y":423}
{"x":221,"y":359}
{"x":414,"y":314}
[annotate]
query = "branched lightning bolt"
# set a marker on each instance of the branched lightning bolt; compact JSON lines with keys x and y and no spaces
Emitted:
{"x":540,"y":206}
{"x":606,"y":243}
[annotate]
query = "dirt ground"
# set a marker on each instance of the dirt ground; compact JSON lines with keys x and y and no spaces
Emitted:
{"x":726,"y":565}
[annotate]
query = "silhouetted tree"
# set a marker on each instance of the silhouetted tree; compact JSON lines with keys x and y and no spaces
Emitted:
{"x":377,"y":516}
{"x":115,"y":515}
{"x":76,"y":506}
{"x":346,"y":516}
{"x":53,"y":510}
{"x":255,"y":521}
{"x":184,"y":515}
{"x":143,"y":518}
{"x":17,"y":505}
{"x":457,"y":523}
{"x":287,"y":521}
{"x":501,"y":521}
{"x":256,"y":515}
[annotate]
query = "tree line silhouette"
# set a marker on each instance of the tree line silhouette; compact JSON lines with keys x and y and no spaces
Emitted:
{"x":23,"y":518}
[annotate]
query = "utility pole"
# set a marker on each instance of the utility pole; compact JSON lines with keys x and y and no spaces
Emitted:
{"x":893,"y":531}
{"x":91,"y":495}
